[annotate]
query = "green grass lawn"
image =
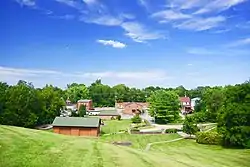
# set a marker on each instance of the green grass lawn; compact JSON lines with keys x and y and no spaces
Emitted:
{"x":111,"y":126}
{"x":139,"y":141}
{"x":35,"y":148}
{"x":192,"y":154}
{"x":20,"y":147}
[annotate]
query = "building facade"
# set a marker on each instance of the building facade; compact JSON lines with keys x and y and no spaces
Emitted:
{"x":185,"y":104}
{"x":87,"y":103}
{"x":77,"y":126}
{"x":132,"y":108}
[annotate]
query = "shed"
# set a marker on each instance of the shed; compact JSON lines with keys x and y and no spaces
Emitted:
{"x":77,"y":126}
{"x":108,"y":114}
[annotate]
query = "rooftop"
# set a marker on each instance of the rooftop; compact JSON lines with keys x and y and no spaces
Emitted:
{"x":109,"y":113}
{"x":184,"y":99}
{"x":76,"y":122}
{"x":83,"y":101}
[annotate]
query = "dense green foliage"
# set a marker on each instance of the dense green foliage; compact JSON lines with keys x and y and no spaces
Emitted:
{"x":210,"y":137}
{"x":76,"y":92}
{"x":234,"y":117}
{"x":171,"y":131}
{"x":230,"y":108}
{"x":190,"y":126}
{"x":82,"y":111}
{"x":164,"y":106}
{"x":136,"y":119}
{"x":23,"y":105}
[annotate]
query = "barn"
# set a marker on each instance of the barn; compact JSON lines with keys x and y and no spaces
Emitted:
{"x":77,"y":126}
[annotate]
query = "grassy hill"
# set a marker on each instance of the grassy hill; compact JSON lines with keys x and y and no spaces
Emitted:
{"x":32,"y":148}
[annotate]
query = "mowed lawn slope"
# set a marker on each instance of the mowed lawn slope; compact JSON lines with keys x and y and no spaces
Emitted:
{"x":33,"y":148}
{"x":192,"y":154}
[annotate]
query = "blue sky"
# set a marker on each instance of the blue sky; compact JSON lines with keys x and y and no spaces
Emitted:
{"x":137,"y":42}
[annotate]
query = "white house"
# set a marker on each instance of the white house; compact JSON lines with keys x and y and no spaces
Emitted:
{"x":193,"y":101}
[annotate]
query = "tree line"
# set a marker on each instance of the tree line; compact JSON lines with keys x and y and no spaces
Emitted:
{"x":24,"y":105}
{"x":229,"y":107}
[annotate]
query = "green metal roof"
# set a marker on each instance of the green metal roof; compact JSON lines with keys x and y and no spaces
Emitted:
{"x":76,"y":122}
{"x":109,"y":113}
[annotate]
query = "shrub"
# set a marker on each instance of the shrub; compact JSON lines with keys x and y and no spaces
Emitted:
{"x":171,"y":131}
{"x":136,"y":119}
{"x":190,"y":126}
{"x":200,"y":117}
{"x":118,"y":117}
{"x":211,"y":138}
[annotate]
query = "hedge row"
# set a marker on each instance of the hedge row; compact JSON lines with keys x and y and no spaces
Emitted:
{"x":171,"y":131}
{"x":211,"y":138}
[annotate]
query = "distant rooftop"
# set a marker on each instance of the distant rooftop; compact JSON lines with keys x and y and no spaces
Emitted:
{"x":83,"y":101}
{"x":109,"y":113}
{"x":76,"y":121}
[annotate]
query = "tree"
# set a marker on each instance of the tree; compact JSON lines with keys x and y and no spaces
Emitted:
{"x":82,"y":111}
{"x":164,"y":106}
{"x":213,"y":99}
{"x":77,"y":92}
{"x":22,"y":105}
{"x":121,"y":92}
{"x":52,"y":104}
{"x":189,"y":126}
{"x":136,"y":119}
{"x":181,"y":91}
{"x":3,"y":89}
{"x":234,"y":116}
{"x":102,"y":95}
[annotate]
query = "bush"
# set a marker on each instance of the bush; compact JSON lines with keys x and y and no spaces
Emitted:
{"x":211,"y":138}
{"x":200,"y":117}
{"x":171,"y":131}
{"x":119,"y":117}
{"x":136,"y":119}
{"x":189,"y":126}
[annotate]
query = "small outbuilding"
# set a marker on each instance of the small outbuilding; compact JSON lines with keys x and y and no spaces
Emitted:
{"x":108,"y":114}
{"x":77,"y":126}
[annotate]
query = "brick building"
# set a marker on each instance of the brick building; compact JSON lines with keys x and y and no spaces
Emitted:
{"x":185,"y":105}
{"x":87,"y":103}
{"x":132,"y":107}
{"x":77,"y":126}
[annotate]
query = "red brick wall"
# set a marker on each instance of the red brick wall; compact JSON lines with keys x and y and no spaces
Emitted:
{"x":77,"y":131}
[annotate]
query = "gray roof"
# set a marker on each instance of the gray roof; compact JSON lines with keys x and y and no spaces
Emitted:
{"x":76,"y":122}
{"x":83,"y":101}
{"x":109,"y":113}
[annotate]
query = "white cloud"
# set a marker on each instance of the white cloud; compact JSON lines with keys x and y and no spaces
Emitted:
{"x":27,"y":2}
{"x":221,"y":31}
{"x":65,"y":17}
{"x":115,"y":44}
{"x":106,"y":20}
{"x":167,"y":15}
{"x":144,"y":3}
{"x":186,"y":4}
{"x":201,"y":24}
{"x":241,"y":42}
{"x":71,"y":3}
{"x":42,"y":77}
{"x":218,"y":5}
{"x":90,"y":2}
{"x":140,"y":33}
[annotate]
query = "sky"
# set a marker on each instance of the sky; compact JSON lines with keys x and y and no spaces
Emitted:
{"x":139,"y":43}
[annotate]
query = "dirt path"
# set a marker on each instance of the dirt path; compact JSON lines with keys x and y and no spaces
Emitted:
{"x":168,"y":141}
